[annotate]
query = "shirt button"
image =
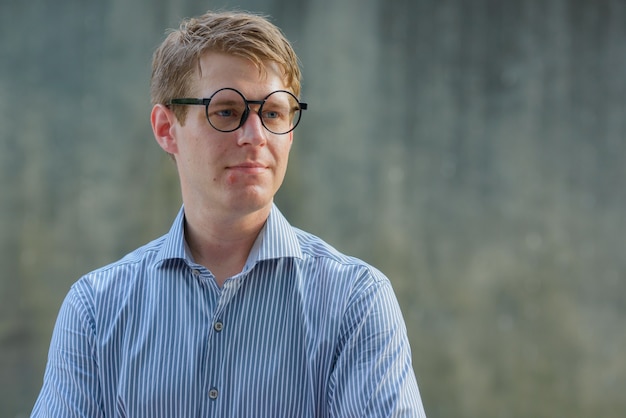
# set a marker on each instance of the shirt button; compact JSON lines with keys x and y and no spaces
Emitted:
{"x":218,"y":326}
{"x":213,"y":393}
{"x":195,"y":272}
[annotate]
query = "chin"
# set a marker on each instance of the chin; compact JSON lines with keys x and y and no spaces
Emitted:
{"x":251,"y":203}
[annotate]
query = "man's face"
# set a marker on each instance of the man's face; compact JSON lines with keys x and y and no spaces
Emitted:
{"x":236,"y":172}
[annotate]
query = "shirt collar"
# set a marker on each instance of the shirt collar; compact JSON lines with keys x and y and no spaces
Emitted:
{"x":174,"y":241}
{"x":277,"y":239}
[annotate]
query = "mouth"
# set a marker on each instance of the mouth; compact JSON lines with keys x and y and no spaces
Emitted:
{"x":248,"y":167}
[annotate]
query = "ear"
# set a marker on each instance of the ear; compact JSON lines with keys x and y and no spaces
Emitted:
{"x":163,"y":122}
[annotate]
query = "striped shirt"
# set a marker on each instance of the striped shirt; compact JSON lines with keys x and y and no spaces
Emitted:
{"x":302,"y":331}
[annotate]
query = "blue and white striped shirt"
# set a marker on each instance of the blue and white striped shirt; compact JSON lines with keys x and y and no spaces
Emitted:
{"x":302,"y":331}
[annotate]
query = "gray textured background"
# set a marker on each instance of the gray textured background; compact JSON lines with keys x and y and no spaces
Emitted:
{"x":472,"y":150}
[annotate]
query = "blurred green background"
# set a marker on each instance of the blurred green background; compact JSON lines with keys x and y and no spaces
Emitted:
{"x":472,"y":150}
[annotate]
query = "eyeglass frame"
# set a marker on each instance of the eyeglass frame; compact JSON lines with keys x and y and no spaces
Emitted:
{"x":244,"y":117}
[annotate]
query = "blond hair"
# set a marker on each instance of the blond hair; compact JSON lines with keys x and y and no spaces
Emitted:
{"x":241,"y":34}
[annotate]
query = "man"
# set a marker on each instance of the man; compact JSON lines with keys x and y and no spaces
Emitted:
{"x":233,"y":313}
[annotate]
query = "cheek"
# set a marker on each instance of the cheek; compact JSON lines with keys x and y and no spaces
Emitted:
{"x":281,"y":151}
{"x":285,"y":154}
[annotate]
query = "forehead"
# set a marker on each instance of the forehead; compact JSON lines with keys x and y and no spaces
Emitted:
{"x":217,"y":70}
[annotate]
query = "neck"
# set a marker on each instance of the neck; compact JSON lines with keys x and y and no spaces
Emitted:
{"x":222,"y":245}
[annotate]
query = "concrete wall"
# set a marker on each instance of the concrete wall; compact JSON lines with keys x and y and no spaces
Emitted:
{"x":473,"y":151}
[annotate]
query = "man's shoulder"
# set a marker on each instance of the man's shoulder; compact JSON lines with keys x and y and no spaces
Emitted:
{"x":129,"y":266}
{"x":320,"y":252}
{"x":314,"y":246}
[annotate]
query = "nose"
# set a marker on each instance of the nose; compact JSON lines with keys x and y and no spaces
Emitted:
{"x":252,"y":132}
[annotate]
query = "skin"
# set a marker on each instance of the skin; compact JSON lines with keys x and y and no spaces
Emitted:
{"x":228,"y":180}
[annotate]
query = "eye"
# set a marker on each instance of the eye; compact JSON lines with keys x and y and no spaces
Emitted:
{"x":225,"y":113}
{"x":271,"y":114}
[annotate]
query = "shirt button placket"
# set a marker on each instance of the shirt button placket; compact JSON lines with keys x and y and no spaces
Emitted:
{"x":213,"y":393}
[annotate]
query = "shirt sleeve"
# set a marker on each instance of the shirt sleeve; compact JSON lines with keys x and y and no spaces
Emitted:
{"x":71,"y":387}
{"x":373,"y":375}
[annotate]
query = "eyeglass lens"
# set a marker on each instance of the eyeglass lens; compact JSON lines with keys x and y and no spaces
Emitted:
{"x":227,"y":111}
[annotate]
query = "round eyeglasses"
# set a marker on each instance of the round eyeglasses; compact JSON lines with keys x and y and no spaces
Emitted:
{"x":227,"y":110}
